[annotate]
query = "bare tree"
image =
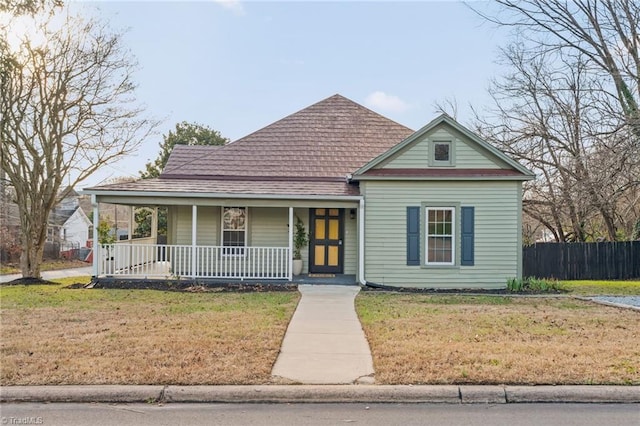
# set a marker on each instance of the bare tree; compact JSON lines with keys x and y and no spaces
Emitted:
{"x":605,"y":32}
{"x":447,"y":106}
{"x":22,"y":7}
{"x":67,"y":105}
{"x":554,"y":115}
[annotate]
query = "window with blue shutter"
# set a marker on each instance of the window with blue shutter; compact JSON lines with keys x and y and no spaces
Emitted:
{"x":413,"y":235}
{"x":467,"y":236}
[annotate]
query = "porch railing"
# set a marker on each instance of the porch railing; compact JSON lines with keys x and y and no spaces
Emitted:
{"x":173,"y":261}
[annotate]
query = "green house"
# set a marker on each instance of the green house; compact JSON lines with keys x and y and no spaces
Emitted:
{"x":382,"y":204}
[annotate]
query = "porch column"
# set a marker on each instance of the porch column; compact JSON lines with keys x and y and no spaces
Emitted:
{"x":96,"y":244}
{"x":194,"y":239}
{"x":290,"y":272}
{"x":361,"y":243}
{"x":132,"y":220}
{"x":154,"y":225}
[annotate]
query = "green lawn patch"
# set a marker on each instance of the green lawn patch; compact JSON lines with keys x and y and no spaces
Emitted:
{"x":596,"y":288}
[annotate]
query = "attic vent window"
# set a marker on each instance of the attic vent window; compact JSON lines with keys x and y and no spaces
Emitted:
{"x":441,"y":153}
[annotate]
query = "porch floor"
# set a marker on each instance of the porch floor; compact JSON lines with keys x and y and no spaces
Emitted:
{"x":160,"y":271}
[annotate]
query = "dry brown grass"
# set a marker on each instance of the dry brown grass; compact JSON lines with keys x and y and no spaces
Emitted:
{"x":419,"y":339}
{"x":47,"y":265}
{"x":52,"y":335}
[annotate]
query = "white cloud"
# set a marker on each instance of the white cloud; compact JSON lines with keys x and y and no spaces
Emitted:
{"x":384,"y":102}
{"x":233,"y":5}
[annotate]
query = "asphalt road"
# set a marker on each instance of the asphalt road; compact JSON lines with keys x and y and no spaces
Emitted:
{"x":71,"y":414}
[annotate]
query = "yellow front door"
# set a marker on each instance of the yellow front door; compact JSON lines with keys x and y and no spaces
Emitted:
{"x":326,"y":240}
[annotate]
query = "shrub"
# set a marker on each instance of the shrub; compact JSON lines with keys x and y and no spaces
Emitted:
{"x":533,"y":285}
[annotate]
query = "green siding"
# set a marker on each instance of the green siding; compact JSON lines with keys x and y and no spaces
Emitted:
{"x":416,"y":156}
{"x":208,"y":225}
{"x":350,"y":244}
{"x":182,"y":225}
{"x":171,"y":225}
{"x":496,"y":233}
{"x":269,"y":227}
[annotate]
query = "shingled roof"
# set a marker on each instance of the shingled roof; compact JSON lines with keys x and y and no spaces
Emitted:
{"x":329,"y":139}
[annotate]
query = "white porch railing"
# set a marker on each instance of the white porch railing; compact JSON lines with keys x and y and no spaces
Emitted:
{"x":172,"y":261}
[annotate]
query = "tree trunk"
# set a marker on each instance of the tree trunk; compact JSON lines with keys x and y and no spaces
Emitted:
{"x":33,"y":234}
{"x":31,"y":259}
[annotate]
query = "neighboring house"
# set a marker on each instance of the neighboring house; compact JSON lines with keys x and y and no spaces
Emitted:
{"x":68,"y":225}
{"x":438,"y":207}
{"x":10,"y":247}
{"x":117,"y":217}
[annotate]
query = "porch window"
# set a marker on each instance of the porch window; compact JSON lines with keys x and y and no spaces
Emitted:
{"x":234,"y":230}
{"x":440,"y":236}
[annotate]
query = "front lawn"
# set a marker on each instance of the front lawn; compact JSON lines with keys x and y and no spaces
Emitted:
{"x":458,"y":339}
{"x":56,"y":335}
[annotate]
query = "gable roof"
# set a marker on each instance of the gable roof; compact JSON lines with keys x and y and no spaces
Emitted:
{"x":59,"y":217}
{"x":308,"y":154}
{"x":490,"y":150}
{"x":328,"y":139}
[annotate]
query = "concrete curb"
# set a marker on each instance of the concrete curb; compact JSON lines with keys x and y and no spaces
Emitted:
{"x":323,"y":394}
{"x":91,"y":393}
{"x":312,"y":393}
{"x":586,"y":393}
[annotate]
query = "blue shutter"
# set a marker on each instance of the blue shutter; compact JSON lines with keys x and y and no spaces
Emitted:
{"x":413,"y":235}
{"x":467,"y":237}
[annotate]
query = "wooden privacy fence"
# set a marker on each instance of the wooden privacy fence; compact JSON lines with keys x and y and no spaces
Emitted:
{"x":582,"y":261}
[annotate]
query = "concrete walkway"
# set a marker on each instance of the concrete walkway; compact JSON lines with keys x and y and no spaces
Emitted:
{"x":50,"y":275}
{"x":324,"y":343}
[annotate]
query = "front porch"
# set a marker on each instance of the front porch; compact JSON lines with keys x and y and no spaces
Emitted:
{"x":210,"y":242}
{"x":261,"y":265}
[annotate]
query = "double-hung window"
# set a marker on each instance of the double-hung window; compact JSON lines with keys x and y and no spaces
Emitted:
{"x":234,"y":230}
{"x":440,"y":236}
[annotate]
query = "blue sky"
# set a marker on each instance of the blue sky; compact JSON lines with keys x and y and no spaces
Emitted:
{"x":237,"y":66}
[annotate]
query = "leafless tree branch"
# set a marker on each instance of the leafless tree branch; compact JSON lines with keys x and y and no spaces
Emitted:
{"x":68,"y":108}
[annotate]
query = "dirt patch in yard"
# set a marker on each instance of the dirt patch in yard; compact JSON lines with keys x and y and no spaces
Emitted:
{"x":457,"y":339}
{"x":29,"y":281}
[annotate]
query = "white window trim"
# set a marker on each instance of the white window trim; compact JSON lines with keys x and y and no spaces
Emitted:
{"x":453,"y":236}
{"x":246,"y":231}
